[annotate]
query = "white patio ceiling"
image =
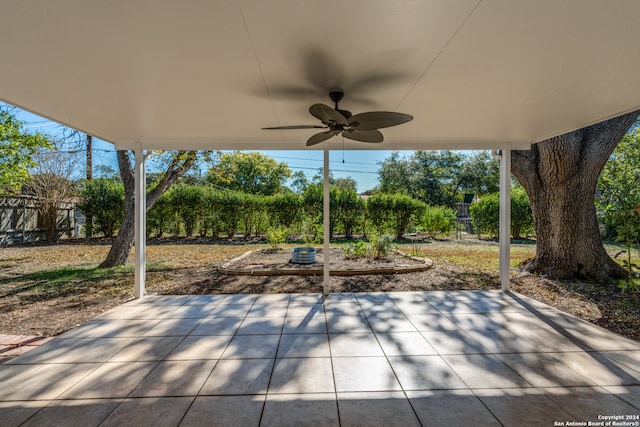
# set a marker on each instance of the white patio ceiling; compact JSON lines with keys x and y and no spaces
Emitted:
{"x":204,"y":74}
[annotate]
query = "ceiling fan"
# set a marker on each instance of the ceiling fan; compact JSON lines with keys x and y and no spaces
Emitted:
{"x":361,"y":127}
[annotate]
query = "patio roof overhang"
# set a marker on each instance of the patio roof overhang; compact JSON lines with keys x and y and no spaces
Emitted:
{"x":209,"y":75}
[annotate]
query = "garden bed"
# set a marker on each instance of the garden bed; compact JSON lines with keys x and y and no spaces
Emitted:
{"x":277,"y":262}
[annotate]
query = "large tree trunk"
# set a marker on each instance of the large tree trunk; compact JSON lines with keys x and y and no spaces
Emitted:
{"x":121,"y":247}
{"x":560,"y":176}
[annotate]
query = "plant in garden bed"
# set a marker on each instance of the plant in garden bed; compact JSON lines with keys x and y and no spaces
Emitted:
{"x":359,"y":249}
{"x":382,"y":245}
{"x":276,"y":236}
{"x":378,"y":246}
{"x":416,"y":247}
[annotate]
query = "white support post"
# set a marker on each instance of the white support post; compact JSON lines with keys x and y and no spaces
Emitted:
{"x":326,"y":281}
{"x":140,"y":222}
{"x":505,"y":217}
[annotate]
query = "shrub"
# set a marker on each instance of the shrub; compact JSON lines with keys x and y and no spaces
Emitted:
{"x":211,"y":217}
{"x":627,"y":222}
{"x":405,"y":210}
{"x":250,"y":209}
{"x":438,"y":220}
{"x":521,"y":215}
{"x":393,"y":212}
{"x":284,"y":209}
{"x":379,"y":210}
{"x":226,"y":205}
{"x":276,"y":236}
{"x":103,"y":199}
{"x":487,"y":213}
{"x":312,"y":200}
{"x":382,"y":245}
{"x":311,"y":230}
{"x":348,"y":210}
{"x":189,"y":204}
{"x":161,"y":216}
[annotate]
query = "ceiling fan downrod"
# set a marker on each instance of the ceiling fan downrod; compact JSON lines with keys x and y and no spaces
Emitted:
{"x":336,"y":96}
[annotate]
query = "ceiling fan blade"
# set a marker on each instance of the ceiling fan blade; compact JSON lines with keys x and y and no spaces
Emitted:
{"x":327,"y":115}
{"x":372,"y":135}
{"x":298,"y":127}
{"x":378,"y":119}
{"x":321,"y":137}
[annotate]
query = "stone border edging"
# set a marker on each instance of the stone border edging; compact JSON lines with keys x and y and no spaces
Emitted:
{"x":225,"y":268}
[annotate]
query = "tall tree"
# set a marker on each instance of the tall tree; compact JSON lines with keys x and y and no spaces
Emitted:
{"x":480,"y":174}
{"x":18,"y":147}
{"x":345,"y":184}
{"x":299,"y":182}
{"x":395,"y":174}
{"x":560,"y":176}
{"x":429,"y":176}
{"x":180,"y":162}
{"x":437,"y":177}
{"x":249,"y":172}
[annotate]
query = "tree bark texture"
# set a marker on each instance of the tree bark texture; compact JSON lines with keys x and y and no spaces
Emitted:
{"x":121,"y":247}
{"x":560,"y":176}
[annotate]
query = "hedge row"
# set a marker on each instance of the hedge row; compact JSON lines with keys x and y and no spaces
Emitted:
{"x":206,"y":211}
{"x":487,"y":214}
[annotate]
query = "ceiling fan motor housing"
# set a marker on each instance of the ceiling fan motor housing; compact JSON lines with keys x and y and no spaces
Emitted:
{"x":336,"y":96}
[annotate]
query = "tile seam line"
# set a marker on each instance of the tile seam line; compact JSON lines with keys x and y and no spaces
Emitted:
{"x":157,"y":362}
{"x":275,"y":358}
{"x":333,"y":371}
{"x":471,"y":390}
{"x":173,"y":349}
{"x":395,"y":374}
{"x":386,"y":358}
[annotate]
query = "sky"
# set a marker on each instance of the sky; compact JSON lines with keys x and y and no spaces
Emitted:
{"x":103,"y":152}
{"x":361,"y":165}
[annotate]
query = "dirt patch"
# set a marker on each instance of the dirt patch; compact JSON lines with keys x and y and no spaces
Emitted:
{"x":603,"y":305}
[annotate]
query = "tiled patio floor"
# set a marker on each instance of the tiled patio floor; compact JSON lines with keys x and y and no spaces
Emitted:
{"x":365,"y":359}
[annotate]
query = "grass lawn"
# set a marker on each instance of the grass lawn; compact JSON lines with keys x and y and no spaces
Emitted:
{"x":49,"y":289}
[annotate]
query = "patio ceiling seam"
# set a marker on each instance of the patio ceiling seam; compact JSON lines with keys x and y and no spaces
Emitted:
{"x":258,"y":64}
{"x":435,"y":58}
